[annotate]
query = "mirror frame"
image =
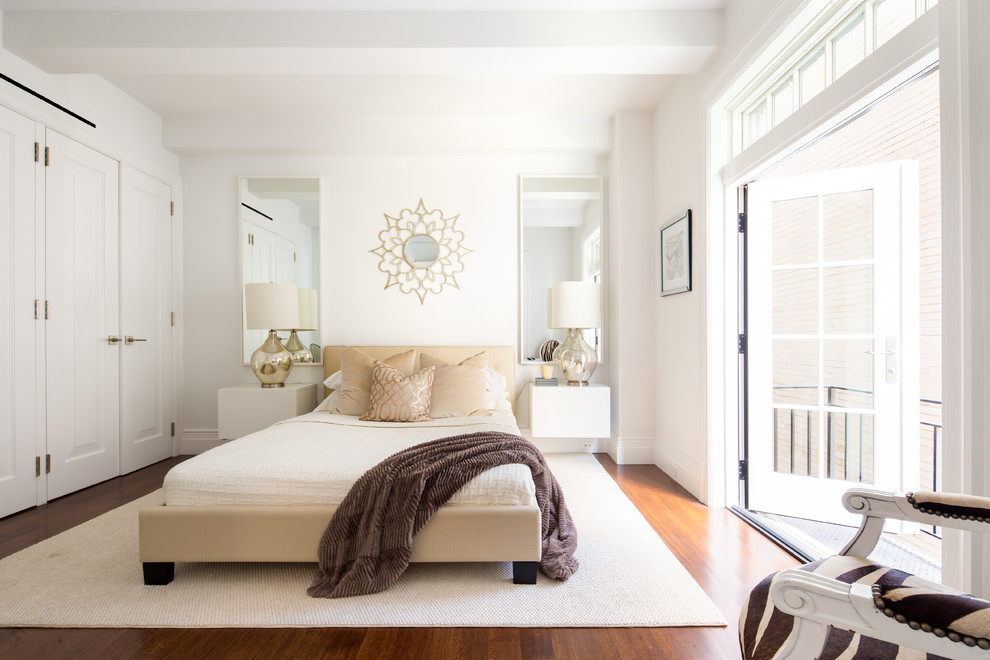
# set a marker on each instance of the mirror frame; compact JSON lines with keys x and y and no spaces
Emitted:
{"x":523,"y":196}
{"x":316,"y":251}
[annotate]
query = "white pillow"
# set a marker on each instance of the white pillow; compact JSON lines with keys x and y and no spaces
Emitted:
{"x":494,"y":381}
{"x":334,"y":380}
{"x":329,"y":404}
{"x":498,"y":401}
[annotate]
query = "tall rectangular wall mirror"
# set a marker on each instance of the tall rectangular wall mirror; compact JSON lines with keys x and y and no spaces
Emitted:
{"x":280,"y":242}
{"x":561,"y":230}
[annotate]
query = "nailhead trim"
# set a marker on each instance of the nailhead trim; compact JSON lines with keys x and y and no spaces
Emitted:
{"x":943,"y":514}
{"x":968,"y":640}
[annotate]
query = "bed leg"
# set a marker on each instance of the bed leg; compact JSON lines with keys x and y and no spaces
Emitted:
{"x":158,"y":572}
{"x":524,"y":572}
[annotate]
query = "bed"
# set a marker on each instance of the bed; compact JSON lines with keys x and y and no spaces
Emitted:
{"x":240,"y":521}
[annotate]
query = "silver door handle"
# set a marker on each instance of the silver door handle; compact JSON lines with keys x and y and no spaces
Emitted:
{"x":890,"y":364}
{"x":128,"y":340}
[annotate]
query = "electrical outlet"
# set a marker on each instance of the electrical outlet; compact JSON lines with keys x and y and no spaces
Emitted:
{"x":586,"y":445}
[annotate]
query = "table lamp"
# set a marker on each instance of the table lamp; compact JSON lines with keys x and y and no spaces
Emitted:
{"x":269,"y":306}
{"x":576,"y":306}
{"x":307,"y":321}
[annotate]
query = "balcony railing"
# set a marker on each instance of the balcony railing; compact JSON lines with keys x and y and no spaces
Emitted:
{"x":848,"y":441}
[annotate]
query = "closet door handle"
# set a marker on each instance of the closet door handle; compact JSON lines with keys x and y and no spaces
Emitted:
{"x":128,"y":340}
{"x":113,"y":340}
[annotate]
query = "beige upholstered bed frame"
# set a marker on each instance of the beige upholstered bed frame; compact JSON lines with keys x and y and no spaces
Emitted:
{"x":292,"y":533}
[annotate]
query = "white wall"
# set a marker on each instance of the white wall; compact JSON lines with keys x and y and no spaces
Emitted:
{"x":630,"y":291}
{"x":680,"y":142}
{"x":355,"y":307}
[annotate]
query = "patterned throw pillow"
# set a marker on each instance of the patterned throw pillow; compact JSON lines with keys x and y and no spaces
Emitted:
{"x":396,"y":397}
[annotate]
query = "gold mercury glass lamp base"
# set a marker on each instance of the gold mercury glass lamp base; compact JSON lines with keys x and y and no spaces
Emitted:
{"x":271,"y":362}
{"x":297,"y":351}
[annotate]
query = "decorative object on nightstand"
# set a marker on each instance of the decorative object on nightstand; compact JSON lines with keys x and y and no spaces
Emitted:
{"x":307,"y":321}
{"x":576,"y":306}
{"x":270,"y":306}
{"x":547,"y":349}
{"x":546,"y":371}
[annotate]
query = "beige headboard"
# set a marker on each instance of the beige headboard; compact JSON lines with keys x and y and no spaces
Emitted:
{"x":500,"y":358}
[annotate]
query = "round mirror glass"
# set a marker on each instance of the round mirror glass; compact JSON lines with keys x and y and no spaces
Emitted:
{"x":421,"y":251}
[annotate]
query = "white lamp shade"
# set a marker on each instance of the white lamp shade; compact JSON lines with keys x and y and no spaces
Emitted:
{"x":271,"y":306}
{"x":307,"y":310}
{"x":576,"y":305}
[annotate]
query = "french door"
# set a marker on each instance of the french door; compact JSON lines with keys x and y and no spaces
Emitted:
{"x":832,"y":338}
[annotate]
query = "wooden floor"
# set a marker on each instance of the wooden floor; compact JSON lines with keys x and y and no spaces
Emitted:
{"x":724,"y":555}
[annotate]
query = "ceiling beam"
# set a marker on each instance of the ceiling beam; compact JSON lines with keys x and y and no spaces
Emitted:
{"x":440,"y":42}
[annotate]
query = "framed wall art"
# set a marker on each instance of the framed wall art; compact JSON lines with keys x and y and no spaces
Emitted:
{"x":675,"y":255}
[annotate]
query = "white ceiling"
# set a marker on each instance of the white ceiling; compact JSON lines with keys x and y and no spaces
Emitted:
{"x":206,"y":65}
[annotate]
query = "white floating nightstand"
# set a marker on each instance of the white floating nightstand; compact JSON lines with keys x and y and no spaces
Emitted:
{"x":568,"y":411}
{"x":244,"y":409}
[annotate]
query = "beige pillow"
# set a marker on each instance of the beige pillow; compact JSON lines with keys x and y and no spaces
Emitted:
{"x":356,"y":367}
{"x":396,"y":397}
{"x":458,"y":390}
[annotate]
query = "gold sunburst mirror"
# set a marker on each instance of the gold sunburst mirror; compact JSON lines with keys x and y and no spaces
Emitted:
{"x":421,"y":251}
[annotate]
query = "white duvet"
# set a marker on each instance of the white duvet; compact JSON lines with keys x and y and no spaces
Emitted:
{"x":314,"y":459}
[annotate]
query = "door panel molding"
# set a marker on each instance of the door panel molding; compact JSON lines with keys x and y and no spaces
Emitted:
{"x":146,"y":306}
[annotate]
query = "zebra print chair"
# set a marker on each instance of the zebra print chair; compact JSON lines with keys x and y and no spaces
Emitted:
{"x":848,"y":607}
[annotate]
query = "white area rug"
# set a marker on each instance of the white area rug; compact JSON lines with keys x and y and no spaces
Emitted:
{"x":90,"y":576}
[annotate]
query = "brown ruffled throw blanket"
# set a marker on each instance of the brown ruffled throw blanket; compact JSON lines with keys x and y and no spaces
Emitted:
{"x":368,"y":542}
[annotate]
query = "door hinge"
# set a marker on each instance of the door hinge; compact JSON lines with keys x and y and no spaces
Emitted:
{"x":173,"y":319}
{"x":47,"y":158}
{"x":741,"y":345}
{"x":37,"y":151}
{"x":37,"y":313}
{"x":741,"y":222}
{"x":173,"y":429}
{"x":171,"y":208}
{"x":37,"y":466}
{"x":293,"y":256}
{"x":48,"y":463}
{"x":48,"y":310}
{"x":743,"y":470}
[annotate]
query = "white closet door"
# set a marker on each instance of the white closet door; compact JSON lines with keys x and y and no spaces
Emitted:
{"x":83,"y":367}
{"x":285,"y":261}
{"x":146,"y":306}
{"x":18,"y":396}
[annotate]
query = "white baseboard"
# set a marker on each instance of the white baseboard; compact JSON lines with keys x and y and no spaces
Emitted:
{"x":632,"y":451}
{"x":681,"y":467}
{"x":566,"y":445}
{"x":196,"y":441}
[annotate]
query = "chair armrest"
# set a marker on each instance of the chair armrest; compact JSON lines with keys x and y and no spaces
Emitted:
{"x":818,"y":602}
{"x":943,"y":509}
